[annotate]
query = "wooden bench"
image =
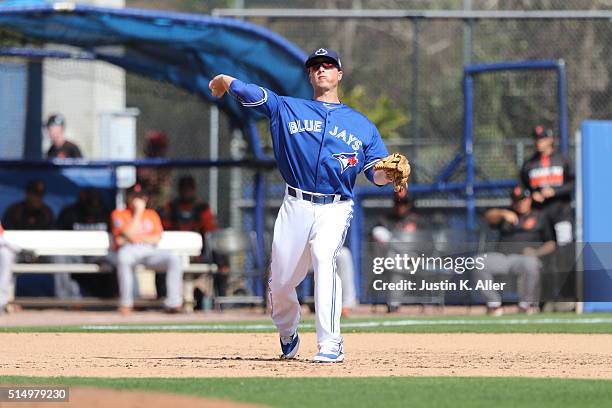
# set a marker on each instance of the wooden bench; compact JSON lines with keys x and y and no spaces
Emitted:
{"x":98,"y":243}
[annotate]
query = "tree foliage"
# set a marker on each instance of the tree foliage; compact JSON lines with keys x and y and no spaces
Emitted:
{"x":382,"y":111}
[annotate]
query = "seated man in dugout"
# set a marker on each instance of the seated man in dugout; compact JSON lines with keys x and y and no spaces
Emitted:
{"x":136,"y":231}
{"x":526,"y":235}
{"x":187,"y":212}
{"x":32,"y":213}
{"x":87,"y":213}
{"x":402,"y":219}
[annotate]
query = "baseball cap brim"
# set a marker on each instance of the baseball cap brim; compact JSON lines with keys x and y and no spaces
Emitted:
{"x":518,"y":193}
{"x":541,"y":132}
{"x":322,"y":58}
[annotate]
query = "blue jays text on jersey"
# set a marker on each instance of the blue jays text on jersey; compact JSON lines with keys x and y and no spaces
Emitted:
{"x":319,"y":147}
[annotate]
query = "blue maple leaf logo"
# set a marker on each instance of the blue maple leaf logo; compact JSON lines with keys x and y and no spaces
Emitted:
{"x":346,"y":160}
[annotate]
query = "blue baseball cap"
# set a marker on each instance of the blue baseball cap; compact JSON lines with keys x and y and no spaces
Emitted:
{"x":322,"y":55}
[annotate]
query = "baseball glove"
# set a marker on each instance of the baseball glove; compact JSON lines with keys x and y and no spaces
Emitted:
{"x":397,"y":169}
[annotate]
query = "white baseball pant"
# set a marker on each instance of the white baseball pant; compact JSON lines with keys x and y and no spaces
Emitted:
{"x":7,"y":257}
{"x":526,"y":267}
{"x":346,"y":271}
{"x":305,"y":234}
{"x":130,"y":255}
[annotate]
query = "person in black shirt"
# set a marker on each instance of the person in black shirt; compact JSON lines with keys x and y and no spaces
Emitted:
{"x":60,"y":147}
{"x":402,"y":219}
{"x":31,"y":213}
{"x":397,"y":232}
{"x":87,"y":213}
{"x":526,"y":235}
{"x":187,"y":212}
{"x":549,"y":176}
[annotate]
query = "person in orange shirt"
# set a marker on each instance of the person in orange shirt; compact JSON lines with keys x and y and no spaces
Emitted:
{"x":136,"y":232}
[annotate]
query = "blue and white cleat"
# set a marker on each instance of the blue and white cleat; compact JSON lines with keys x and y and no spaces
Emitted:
{"x":334,"y":354}
{"x":290,"y":345}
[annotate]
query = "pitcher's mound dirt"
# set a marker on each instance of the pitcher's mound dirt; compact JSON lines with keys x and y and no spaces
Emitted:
{"x":104,"y":398}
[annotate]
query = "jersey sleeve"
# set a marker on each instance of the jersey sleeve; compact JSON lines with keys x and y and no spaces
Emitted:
{"x":569,"y":177}
{"x":374,"y":151}
{"x":158,"y":228}
{"x":208,"y":222}
{"x":261,"y":99}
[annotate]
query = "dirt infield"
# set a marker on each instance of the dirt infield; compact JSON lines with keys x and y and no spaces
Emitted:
{"x":256,"y":355}
{"x":103,"y":398}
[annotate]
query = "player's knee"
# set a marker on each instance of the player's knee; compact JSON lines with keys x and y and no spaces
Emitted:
{"x":174,"y":262}
{"x":325,"y":257}
{"x":279,"y":288}
{"x":124,"y":257}
{"x":531,"y":265}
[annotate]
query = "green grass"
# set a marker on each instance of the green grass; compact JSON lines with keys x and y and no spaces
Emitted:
{"x":541,"y":323}
{"x":368,"y":392}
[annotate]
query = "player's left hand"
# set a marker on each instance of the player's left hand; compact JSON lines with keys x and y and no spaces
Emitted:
{"x":397,"y":170}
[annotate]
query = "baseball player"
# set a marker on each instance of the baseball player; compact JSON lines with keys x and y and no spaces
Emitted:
{"x":320,"y":146}
{"x":7,"y":257}
{"x":549,"y":175}
{"x":525,"y":236}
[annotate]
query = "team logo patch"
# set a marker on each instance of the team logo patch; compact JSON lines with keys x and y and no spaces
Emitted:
{"x":321,"y":51}
{"x":529,"y":223}
{"x":147,"y":225}
{"x":346,"y":160}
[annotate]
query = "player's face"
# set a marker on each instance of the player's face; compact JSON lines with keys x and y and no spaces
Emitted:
{"x":56,"y":134}
{"x":544,"y":144}
{"x":131,"y":197}
{"x":522,"y":206}
{"x":187,"y":193}
{"x":34,"y":199}
{"x":324,"y":75}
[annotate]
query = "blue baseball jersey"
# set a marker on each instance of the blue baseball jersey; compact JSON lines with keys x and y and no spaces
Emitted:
{"x":319,"y":147}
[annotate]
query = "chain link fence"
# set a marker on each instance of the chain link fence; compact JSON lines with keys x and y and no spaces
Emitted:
{"x":419,"y":65}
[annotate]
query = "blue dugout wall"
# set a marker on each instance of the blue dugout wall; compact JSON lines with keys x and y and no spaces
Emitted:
{"x":596,"y":215}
